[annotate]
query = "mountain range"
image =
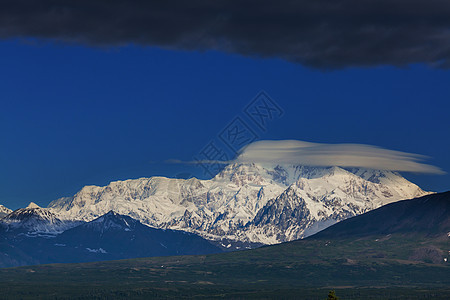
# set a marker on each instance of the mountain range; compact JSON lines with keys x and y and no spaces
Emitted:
{"x":398,"y":251}
{"x":111,"y":236}
{"x":244,"y":206}
{"x":250,"y":203}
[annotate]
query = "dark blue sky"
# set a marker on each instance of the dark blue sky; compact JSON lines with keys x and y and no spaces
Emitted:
{"x":73,"y":115}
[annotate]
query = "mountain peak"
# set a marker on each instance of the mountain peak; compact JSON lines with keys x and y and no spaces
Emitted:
{"x":112,"y":220}
{"x":111,"y":213}
{"x":33,"y":205}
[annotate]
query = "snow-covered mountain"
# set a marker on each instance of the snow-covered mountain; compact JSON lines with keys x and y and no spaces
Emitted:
{"x":4,"y":211}
{"x":34,"y":220}
{"x":245,"y":202}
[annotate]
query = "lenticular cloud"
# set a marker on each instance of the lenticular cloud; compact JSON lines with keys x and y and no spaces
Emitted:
{"x":343,"y":155}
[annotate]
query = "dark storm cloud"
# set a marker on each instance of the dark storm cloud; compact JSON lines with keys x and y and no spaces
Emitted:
{"x":317,"y":33}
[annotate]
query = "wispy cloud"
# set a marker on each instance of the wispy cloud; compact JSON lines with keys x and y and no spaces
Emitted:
{"x":195,"y":162}
{"x":344,"y":155}
{"x":294,"y":152}
{"x":320,"y":33}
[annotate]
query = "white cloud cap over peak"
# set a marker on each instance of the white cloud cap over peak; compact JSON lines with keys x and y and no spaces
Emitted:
{"x":344,"y":155}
